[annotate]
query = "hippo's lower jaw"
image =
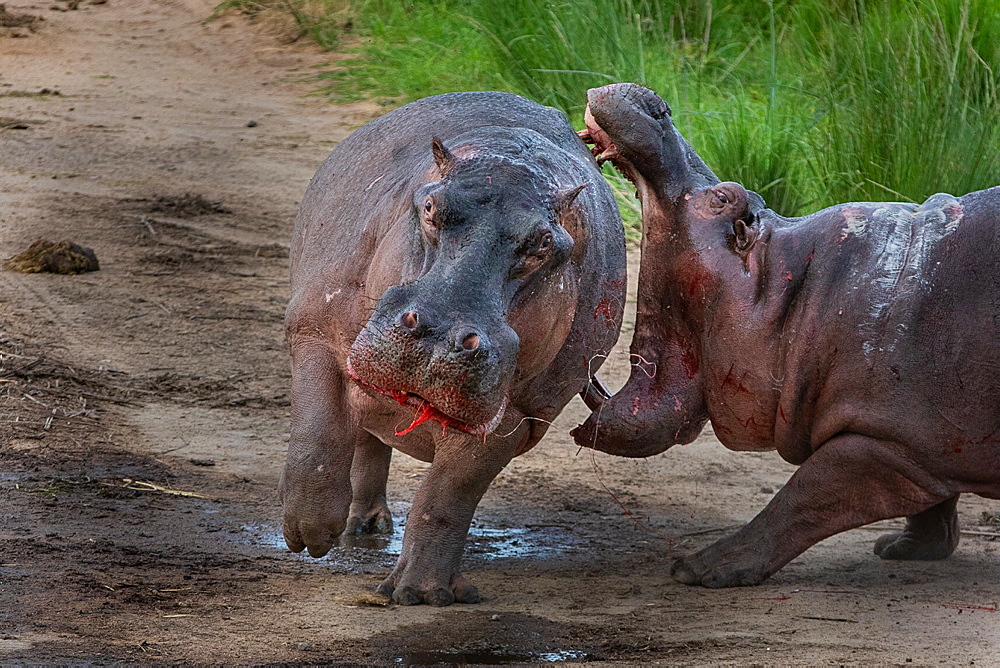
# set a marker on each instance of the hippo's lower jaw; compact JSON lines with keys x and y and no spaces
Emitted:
{"x":425,"y":410}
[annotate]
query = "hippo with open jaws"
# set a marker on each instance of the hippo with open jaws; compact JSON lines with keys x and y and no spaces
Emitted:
{"x":862,"y":342}
{"x":458,"y":274}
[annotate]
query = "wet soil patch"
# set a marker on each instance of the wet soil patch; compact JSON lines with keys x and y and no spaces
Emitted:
{"x":481,"y":638}
{"x":116,"y":551}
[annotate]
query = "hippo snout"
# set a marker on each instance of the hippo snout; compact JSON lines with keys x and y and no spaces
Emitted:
{"x":464,"y":340}
{"x":457,"y":367}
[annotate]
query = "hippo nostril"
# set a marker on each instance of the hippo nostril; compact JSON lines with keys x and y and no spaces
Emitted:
{"x":409,"y":320}
{"x":471,"y":342}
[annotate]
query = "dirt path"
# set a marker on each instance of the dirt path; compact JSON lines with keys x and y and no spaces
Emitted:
{"x":143,"y":415}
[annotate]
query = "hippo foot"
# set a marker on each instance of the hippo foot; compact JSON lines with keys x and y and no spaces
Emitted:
{"x":460,"y":591}
{"x":928,"y":536}
{"x":312,"y":525}
{"x":361,"y":529}
{"x":699,"y":569}
{"x":912,"y":546}
{"x":375,"y":521}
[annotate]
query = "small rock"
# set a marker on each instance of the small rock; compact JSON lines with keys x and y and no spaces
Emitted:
{"x":495,"y":618}
{"x":766,"y":490}
{"x":252,"y":124}
{"x":303,"y":646}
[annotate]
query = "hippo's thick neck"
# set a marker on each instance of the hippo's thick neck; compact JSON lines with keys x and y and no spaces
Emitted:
{"x":664,"y":401}
{"x":662,"y":404}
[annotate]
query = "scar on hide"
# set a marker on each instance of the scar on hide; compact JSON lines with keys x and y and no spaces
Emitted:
{"x":954,"y":215}
{"x":856,"y":223}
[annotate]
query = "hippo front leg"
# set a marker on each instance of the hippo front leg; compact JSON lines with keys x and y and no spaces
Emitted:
{"x":428,"y":569}
{"x":327,"y":454}
{"x":850,"y":481}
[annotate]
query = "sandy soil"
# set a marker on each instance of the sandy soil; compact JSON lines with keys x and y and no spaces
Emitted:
{"x":144,"y":415}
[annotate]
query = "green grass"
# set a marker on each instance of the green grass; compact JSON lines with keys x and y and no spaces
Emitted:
{"x":809,"y":102}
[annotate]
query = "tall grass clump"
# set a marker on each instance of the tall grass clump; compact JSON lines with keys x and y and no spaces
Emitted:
{"x":910,"y":107}
{"x":809,"y":102}
{"x":412,"y":49}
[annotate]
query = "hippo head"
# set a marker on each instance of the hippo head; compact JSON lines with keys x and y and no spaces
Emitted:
{"x":488,"y":238}
{"x":697,"y":232}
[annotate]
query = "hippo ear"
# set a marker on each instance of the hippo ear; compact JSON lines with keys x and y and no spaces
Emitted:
{"x":745,"y":235}
{"x":565,"y":198}
{"x":444,"y":158}
{"x":572,"y":220}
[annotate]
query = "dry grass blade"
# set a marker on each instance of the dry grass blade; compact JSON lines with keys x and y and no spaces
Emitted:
{"x":366,"y":600}
{"x":143,"y":486}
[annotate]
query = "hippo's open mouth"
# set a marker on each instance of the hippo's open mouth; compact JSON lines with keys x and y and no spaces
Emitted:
{"x":425,"y":410}
{"x":602,"y":146}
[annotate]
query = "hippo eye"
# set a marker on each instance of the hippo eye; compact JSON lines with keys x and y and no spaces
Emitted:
{"x":546,"y":243}
{"x":721,"y":196}
{"x":428,"y":206}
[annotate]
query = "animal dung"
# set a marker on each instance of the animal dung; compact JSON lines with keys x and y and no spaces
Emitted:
{"x":65,"y":257}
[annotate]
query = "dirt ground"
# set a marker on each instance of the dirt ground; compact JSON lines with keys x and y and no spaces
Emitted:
{"x":144,"y":414}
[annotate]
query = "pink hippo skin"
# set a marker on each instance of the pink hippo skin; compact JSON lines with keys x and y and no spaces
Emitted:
{"x":458,"y":274}
{"x":861,"y":342}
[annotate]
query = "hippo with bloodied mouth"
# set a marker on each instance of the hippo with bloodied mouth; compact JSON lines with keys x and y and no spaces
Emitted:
{"x":458,"y":274}
{"x":862,"y":342}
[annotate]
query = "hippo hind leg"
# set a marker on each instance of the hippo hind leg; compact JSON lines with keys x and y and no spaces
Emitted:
{"x":930,"y":535}
{"x":850,"y":481}
{"x":369,"y":513}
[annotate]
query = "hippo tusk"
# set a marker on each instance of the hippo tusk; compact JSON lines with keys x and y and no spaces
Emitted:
{"x":596,"y":394}
{"x":585,"y":135}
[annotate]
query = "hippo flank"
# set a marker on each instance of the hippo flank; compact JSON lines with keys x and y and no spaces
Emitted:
{"x":862,"y":342}
{"x":458,"y":274}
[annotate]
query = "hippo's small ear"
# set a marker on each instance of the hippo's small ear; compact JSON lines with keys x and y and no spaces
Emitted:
{"x":444,"y":158}
{"x":571,"y":219}
{"x":745,"y":235}
{"x":565,"y":198}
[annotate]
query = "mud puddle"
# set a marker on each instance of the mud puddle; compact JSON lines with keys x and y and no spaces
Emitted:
{"x":486,"y":657}
{"x":486,"y":541}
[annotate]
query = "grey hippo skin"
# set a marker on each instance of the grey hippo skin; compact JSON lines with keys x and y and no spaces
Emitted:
{"x":862,"y":342}
{"x":458,"y":274}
